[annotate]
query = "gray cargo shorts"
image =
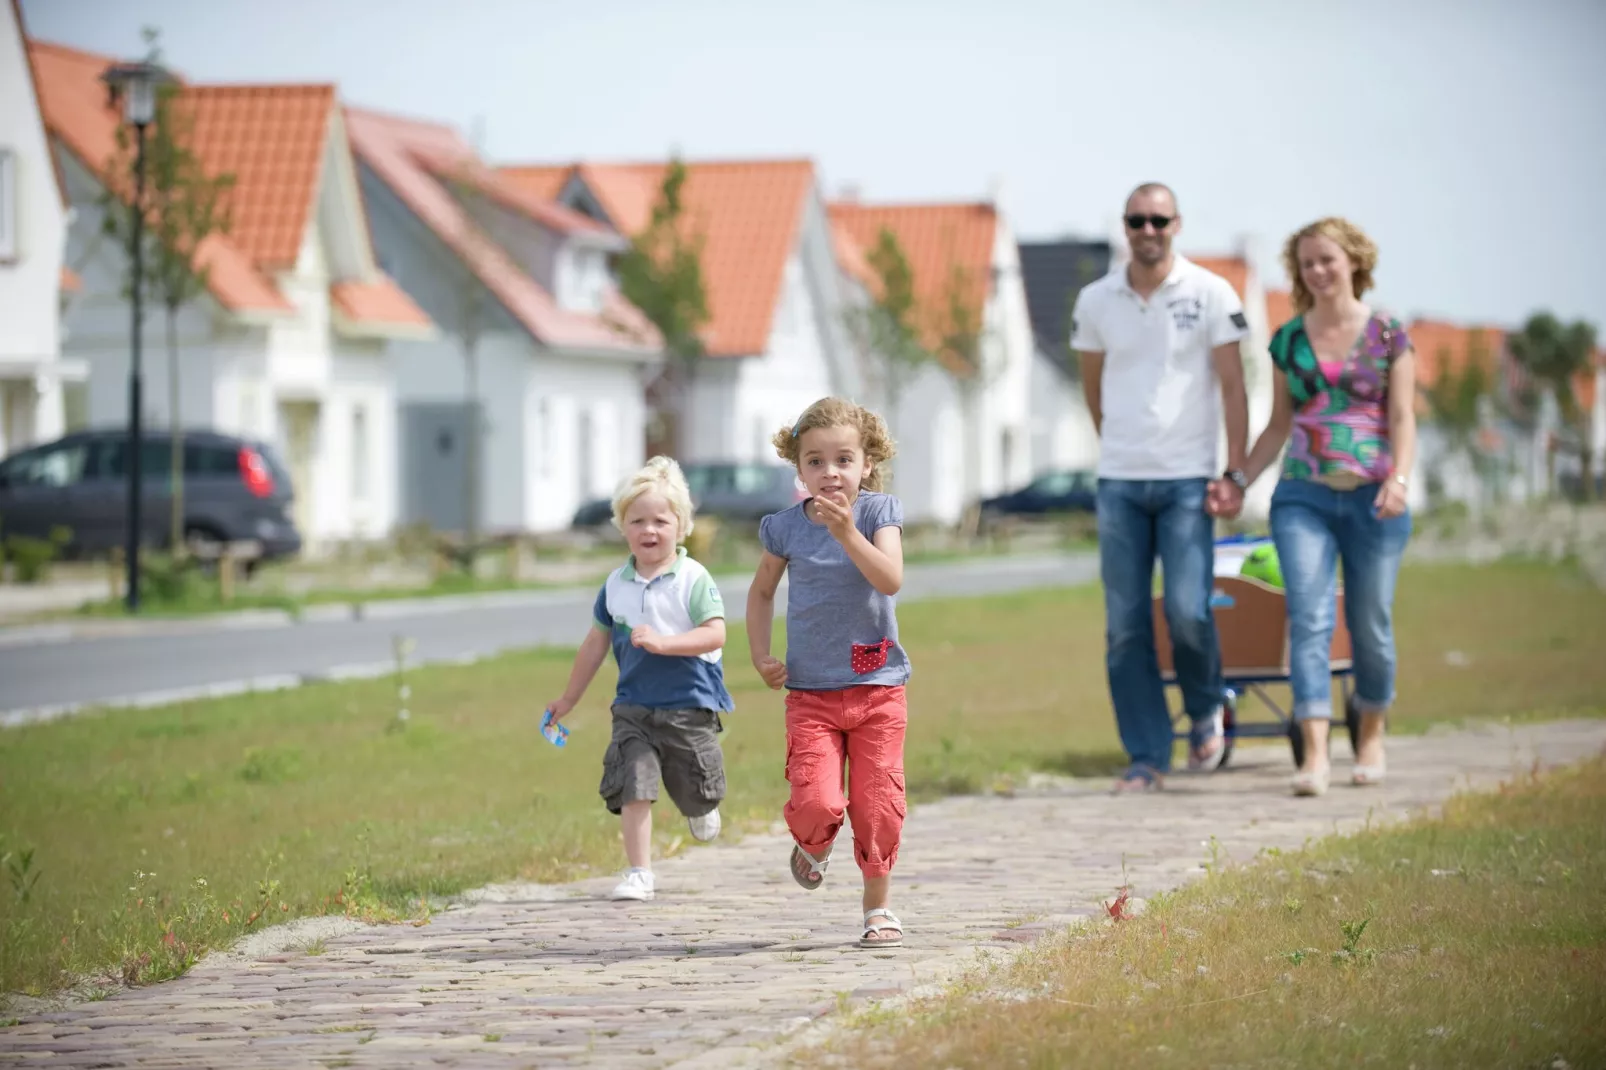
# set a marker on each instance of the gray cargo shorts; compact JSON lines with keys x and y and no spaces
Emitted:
{"x":678,"y":747}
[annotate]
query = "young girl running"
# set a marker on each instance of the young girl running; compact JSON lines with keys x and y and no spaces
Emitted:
{"x":844,"y":670}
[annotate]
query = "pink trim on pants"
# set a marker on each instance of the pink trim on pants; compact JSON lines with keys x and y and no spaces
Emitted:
{"x":863,"y":726}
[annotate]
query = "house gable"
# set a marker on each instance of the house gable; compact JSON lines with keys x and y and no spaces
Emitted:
{"x":746,"y":212}
{"x":430,"y":171}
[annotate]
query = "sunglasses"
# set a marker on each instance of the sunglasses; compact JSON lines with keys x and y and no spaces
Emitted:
{"x":1160,"y":222}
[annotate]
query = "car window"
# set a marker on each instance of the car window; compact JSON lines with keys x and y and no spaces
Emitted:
{"x":56,"y":466}
{"x":754,"y":478}
{"x":1054,"y":484}
{"x":210,"y":460}
{"x":155,"y":459}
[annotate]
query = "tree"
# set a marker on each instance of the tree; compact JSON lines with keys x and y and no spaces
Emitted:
{"x":887,"y":328}
{"x":1554,"y":355}
{"x":183,"y":207}
{"x":1457,"y":399}
{"x":662,"y":275}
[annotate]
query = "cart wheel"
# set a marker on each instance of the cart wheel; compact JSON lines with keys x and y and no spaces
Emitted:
{"x":1352,"y":721}
{"x":1296,"y":740}
{"x":1229,"y":724}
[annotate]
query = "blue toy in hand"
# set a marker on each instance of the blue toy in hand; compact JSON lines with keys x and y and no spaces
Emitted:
{"x":556,"y":734}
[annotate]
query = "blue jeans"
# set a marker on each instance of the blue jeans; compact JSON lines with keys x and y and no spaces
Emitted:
{"x":1315,"y":527}
{"x":1139,"y":519}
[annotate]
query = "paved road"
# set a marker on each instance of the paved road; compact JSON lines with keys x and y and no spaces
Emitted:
{"x":725,"y":966}
{"x":45,"y":672}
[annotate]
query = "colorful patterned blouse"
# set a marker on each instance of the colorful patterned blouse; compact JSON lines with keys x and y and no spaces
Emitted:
{"x":1341,"y":408}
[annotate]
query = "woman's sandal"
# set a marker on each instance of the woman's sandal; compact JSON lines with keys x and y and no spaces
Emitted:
{"x":816,"y":867}
{"x":1366,"y":776}
{"x":891,"y":923}
{"x":1309,"y":784}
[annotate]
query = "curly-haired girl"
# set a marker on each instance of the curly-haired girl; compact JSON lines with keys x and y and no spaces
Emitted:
{"x":844,"y":670}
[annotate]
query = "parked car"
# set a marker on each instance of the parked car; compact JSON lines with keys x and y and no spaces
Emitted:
{"x":1061,"y":491}
{"x":741,"y":492}
{"x":235,"y":490}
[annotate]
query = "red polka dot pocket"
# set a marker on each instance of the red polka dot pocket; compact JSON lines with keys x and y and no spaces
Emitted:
{"x":869,"y":658}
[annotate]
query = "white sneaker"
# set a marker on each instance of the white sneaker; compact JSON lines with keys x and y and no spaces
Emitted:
{"x":636,"y":885}
{"x":706,"y":827}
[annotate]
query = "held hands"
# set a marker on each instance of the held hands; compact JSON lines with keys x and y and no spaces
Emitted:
{"x":1390,"y":501}
{"x":644,"y":637}
{"x":836,"y":514}
{"x":773,"y":670}
{"x":1224,"y":499}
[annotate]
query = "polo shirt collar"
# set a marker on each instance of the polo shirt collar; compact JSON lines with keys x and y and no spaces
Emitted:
{"x":1180,"y":266}
{"x":674,"y":566}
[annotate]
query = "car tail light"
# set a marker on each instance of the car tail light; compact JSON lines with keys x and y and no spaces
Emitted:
{"x":255,"y":473}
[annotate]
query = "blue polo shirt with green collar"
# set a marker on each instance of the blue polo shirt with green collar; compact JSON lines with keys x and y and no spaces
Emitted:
{"x":674,"y":602}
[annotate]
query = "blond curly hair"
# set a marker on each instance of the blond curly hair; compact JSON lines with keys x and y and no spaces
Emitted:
{"x":661,"y":476}
{"x":1360,"y":249}
{"x":874,"y":437}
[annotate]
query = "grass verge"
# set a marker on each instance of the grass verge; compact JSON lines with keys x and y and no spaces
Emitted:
{"x":1474,"y":939}
{"x":321,"y":799}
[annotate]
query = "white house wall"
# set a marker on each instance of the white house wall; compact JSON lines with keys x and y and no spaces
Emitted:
{"x":30,"y":277}
{"x":928,"y":472}
{"x":583,"y":433}
{"x":794,"y":373}
{"x":1062,"y":427}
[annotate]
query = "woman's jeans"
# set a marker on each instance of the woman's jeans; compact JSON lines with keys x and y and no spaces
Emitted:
{"x":1315,"y":527}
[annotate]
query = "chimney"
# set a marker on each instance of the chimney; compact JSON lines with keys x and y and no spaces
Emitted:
{"x":849,"y":194}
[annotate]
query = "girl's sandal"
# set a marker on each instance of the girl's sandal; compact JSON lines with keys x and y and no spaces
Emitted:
{"x":804,"y":866}
{"x":891,"y":924}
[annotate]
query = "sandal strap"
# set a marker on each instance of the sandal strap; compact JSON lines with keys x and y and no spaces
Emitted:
{"x":816,"y":865}
{"x":892,"y":921}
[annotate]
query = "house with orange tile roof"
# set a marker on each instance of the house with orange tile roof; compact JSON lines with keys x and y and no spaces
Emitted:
{"x":963,"y":435}
{"x":537,"y":347}
{"x":33,"y":235}
{"x":777,"y":337}
{"x":291,"y":343}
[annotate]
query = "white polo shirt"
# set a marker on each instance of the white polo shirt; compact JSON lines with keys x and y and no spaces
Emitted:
{"x":1161,"y":399}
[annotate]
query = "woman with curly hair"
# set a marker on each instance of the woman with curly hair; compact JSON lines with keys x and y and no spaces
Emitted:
{"x":1345,"y":399}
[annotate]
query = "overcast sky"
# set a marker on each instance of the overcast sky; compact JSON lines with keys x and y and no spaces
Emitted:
{"x":1468,"y":136}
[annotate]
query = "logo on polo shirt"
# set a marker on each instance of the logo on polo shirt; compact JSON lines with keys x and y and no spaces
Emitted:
{"x":1186,"y":312}
{"x":1239,"y":321}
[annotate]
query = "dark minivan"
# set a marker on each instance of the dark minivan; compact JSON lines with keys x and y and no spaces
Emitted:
{"x":235,"y":490}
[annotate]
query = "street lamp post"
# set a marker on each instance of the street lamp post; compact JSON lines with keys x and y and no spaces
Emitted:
{"x":136,"y":85}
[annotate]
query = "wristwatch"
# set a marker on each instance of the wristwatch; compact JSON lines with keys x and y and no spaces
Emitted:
{"x":1236,"y":475}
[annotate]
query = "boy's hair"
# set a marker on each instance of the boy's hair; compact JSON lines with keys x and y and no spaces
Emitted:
{"x":838,"y":412}
{"x":662,"y":476}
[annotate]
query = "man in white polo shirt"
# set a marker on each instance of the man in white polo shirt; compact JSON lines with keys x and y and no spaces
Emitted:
{"x":1158,"y":345}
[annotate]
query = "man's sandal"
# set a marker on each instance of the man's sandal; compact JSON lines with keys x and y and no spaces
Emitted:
{"x":891,"y":923}
{"x":816,"y":867}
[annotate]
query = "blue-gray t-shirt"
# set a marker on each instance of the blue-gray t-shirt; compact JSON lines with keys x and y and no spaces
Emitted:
{"x":837,"y":626}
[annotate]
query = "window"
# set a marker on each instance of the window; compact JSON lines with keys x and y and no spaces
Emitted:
{"x":9,"y":216}
{"x":209,"y":460}
{"x":359,"y":454}
{"x":155,"y":459}
{"x":62,"y":466}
